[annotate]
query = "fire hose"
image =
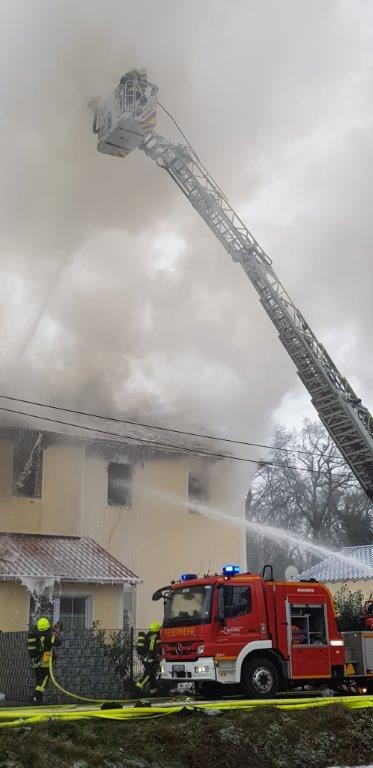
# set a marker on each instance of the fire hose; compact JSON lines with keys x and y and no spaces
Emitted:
{"x":15,"y":717}
{"x":78,"y":697}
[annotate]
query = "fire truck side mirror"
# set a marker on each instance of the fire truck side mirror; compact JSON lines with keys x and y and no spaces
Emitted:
{"x":162,"y":592}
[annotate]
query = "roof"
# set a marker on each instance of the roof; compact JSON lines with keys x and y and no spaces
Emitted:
{"x":349,"y":564}
{"x":31,"y":558}
{"x":98,"y":430}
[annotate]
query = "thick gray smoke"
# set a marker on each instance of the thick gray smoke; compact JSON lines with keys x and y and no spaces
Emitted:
{"x":114,"y":295}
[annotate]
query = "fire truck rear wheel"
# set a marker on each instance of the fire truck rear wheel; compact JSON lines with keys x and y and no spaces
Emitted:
{"x":260,"y":679}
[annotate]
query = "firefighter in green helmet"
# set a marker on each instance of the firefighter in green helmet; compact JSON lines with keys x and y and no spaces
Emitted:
{"x":149,"y":651}
{"x":41,"y":641}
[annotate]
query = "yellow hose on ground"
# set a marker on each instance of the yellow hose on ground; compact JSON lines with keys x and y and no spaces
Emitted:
{"x":18,"y":718}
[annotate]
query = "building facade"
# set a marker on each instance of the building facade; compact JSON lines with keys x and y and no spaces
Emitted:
{"x":156,"y":510}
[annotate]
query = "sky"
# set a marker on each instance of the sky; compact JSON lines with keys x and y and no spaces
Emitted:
{"x":114,"y":295}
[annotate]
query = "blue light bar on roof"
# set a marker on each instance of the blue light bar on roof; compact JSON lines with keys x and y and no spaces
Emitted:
{"x":230,"y":570}
{"x":188,"y":576}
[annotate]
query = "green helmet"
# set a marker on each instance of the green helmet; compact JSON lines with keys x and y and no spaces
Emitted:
{"x":154,"y":627}
{"x":43,"y":624}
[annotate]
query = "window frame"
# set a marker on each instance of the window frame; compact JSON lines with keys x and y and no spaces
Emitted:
{"x":88,"y":617}
{"x":221,"y":602}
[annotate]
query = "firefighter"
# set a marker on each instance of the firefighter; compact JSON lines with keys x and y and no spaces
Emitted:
{"x":41,"y":642}
{"x":150,"y":653}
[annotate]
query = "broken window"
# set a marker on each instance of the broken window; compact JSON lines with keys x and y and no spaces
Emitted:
{"x":119,"y":485}
{"x":198,"y":490}
{"x":28,"y":466}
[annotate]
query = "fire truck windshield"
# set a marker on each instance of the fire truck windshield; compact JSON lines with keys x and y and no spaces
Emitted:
{"x":188,"y":605}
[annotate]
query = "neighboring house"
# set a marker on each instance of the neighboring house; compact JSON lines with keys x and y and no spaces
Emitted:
{"x":69,"y":578}
{"x":135,"y":495}
{"x":351,"y":566}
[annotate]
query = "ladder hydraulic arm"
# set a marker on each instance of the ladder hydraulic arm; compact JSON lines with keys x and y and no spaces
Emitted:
{"x":347,"y":420}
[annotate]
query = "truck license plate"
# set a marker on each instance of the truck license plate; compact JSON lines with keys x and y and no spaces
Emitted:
{"x":178,"y":670}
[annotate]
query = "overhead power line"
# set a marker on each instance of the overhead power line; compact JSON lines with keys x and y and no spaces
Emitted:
{"x":158,"y":445}
{"x":117,"y":420}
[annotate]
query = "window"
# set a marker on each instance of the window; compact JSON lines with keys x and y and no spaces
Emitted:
{"x":308,"y":625}
{"x":72,"y":612}
{"x":28,"y":467}
{"x":198,"y":490}
{"x":188,"y":605}
{"x":234,"y":601}
{"x":119,"y":492}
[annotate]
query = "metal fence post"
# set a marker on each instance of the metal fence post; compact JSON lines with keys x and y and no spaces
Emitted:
{"x":132,"y":633}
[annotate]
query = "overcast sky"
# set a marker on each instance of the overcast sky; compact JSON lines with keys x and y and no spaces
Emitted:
{"x":114,"y":294}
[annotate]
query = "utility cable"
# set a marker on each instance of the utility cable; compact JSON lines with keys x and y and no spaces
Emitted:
{"x":162,"y":446}
{"x":116,"y":420}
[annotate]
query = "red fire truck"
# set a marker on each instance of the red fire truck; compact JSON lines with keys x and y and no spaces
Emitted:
{"x":249,"y":631}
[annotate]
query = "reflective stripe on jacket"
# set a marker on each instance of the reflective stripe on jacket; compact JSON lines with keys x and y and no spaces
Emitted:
{"x":153,"y":645}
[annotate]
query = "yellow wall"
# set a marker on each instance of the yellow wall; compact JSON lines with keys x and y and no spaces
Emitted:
{"x":158,"y":538}
{"x":59,"y":509}
{"x":15,"y":599}
{"x":14,"y":607}
{"x":106,"y":601}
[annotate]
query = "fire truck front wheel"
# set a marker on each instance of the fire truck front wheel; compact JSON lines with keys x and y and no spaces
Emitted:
{"x":209,"y":690}
{"x":260,"y":679}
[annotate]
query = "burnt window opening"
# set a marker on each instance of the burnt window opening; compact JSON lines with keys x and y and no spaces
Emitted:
{"x":119,"y":489}
{"x":28,"y":468}
{"x":198,"y":490}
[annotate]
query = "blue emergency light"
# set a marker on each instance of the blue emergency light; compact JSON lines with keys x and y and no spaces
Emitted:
{"x":188,"y":576}
{"x":230,"y":570}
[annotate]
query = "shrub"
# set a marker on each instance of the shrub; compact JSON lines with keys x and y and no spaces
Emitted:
{"x":349,"y":608}
{"x":117,"y":647}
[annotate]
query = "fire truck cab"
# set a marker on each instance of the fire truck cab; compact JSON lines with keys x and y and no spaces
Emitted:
{"x":248,"y":630}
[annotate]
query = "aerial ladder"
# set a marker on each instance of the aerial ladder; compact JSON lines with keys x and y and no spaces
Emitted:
{"x":126,"y":121}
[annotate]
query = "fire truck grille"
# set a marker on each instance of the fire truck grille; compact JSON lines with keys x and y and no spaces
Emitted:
{"x":181,"y":650}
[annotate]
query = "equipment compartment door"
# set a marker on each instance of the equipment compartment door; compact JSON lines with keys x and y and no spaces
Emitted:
{"x":308,"y":639}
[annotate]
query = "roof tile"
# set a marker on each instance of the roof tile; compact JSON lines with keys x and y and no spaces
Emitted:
{"x":356,"y":564}
{"x":62,"y":558}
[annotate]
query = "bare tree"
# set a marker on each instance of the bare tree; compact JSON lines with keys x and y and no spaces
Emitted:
{"x":306,"y":488}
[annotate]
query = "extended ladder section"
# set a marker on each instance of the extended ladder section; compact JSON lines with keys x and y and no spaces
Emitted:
{"x":348,"y":422}
{"x":125,"y":122}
